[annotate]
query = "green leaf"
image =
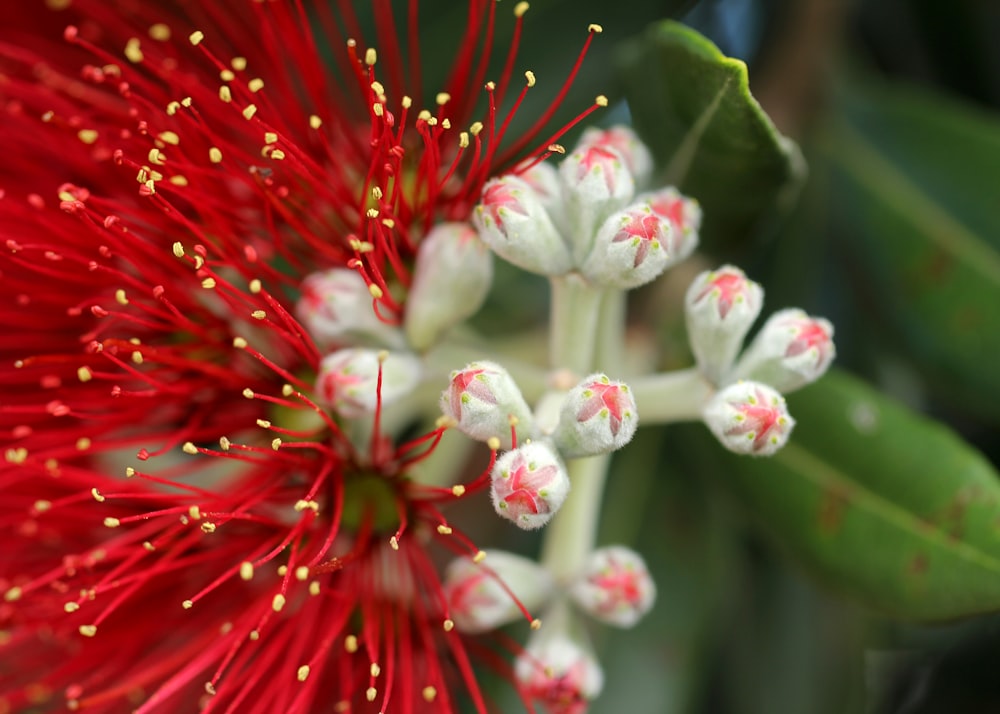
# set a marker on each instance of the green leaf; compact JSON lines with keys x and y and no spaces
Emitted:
{"x":916,"y":186}
{"x":885,"y":504}
{"x":693,"y":106}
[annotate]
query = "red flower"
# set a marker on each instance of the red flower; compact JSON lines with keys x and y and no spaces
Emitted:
{"x":183,"y":525}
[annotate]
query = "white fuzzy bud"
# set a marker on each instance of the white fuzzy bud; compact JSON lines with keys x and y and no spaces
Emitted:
{"x":720,"y":307}
{"x":630,"y":249}
{"x":453,"y":273}
{"x":598,"y":416}
{"x":791,"y":350}
{"x":596,"y":183}
{"x":481,"y":595}
{"x":749,"y":418}
{"x":336,"y":308}
{"x":529,"y":484}
{"x":348,"y":379}
{"x":684,"y":215}
{"x":558,"y":671}
{"x":512,"y":220}
{"x":626,"y":142}
{"x":615,"y":586}
{"x":484,"y":401}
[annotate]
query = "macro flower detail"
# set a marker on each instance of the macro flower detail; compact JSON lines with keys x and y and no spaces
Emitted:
{"x":615,"y":587}
{"x":622,"y":139}
{"x":721,"y":306}
{"x":497,"y":590}
{"x":598,"y":416}
{"x":596,"y":183}
{"x":485,"y":404}
{"x":791,"y":350}
{"x":749,"y":418}
{"x":684,"y":215}
{"x":630,"y":249}
{"x":529,"y":484}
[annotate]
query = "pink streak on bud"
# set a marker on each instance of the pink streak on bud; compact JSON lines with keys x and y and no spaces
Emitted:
{"x":810,"y":335}
{"x":642,"y":227}
{"x":760,"y":417}
{"x":522,"y":490}
{"x":609,"y":396}
{"x":500,"y":197}
{"x":728,"y":286}
{"x":467,"y":382}
{"x":598,"y":158}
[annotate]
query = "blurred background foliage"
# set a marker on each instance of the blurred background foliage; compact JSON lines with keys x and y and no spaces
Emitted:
{"x":858,"y":570}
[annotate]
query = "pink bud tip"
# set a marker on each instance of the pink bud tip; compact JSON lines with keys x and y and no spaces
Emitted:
{"x":615,"y":586}
{"x":749,"y":418}
{"x":529,"y":485}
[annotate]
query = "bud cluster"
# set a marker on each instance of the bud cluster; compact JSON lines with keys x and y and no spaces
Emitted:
{"x":748,"y":414}
{"x":586,"y":215}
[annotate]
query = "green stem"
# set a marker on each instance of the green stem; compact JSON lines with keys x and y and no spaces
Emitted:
{"x":571,"y":536}
{"x":576,"y":308}
{"x":671,"y":396}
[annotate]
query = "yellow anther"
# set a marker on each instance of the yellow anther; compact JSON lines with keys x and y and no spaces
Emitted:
{"x":88,"y":630}
{"x":520,"y":9}
{"x":530,"y":76}
{"x":208,"y":527}
{"x":224,"y":443}
{"x":255,"y":286}
{"x":87,"y":136}
{"x":84,"y":374}
{"x":258,"y":315}
{"x":196,"y":37}
{"x":276,"y":443}
{"x":83,"y":443}
{"x":132,"y":50}
{"x":189,"y":448}
{"x":227,"y":75}
{"x":430,"y":693}
{"x":458,"y":490}
{"x":270,"y":137}
{"x":71,"y":606}
{"x":448,"y":625}
{"x":303,"y":673}
{"x":278,"y":602}
{"x":376,"y":291}
{"x":444,"y":530}
{"x":120,"y":297}
{"x":351,"y":644}
{"x":406,"y":102}
{"x":277,"y":154}
{"x":315,"y":122}
{"x":159,"y":32}
{"x":246,"y":570}
{"x":479,"y":557}
{"x":595,"y":28}
{"x":493,"y":443}
{"x":255,"y":85}
{"x":302,"y":573}
{"x":477,"y":126}
{"x":536,"y":624}
{"x":371,"y":57}
{"x":375,"y":670}
{"x":601,"y":101}
{"x":249,"y":111}
{"x":442,"y":98}
{"x":263,"y":423}
{"x":238,"y":63}
{"x":112,"y":522}
{"x":215,"y":155}
{"x":187,"y":604}
{"x":97,"y":495}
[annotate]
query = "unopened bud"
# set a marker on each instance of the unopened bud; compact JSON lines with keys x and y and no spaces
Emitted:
{"x":453,"y":273}
{"x":484,"y":400}
{"x":598,"y":416}
{"x":749,"y":418}
{"x":559,"y":672}
{"x":596,"y":183}
{"x":720,"y":307}
{"x":530,"y":483}
{"x":543,"y":178}
{"x":615,"y":586}
{"x":625,"y":141}
{"x":631,"y":248}
{"x":336,"y":308}
{"x":791,"y":350}
{"x":512,"y":220}
{"x":684,"y":215}
{"x":481,"y":595}
{"x":348,"y":380}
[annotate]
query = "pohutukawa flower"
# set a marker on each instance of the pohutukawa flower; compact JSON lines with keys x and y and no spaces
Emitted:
{"x":598,"y":416}
{"x":495,"y":591}
{"x":749,"y":418}
{"x":791,"y":350}
{"x":529,"y":484}
{"x":486,"y":404}
{"x":720,"y":307}
{"x":615,"y":586}
{"x":453,"y":273}
{"x":175,"y":503}
{"x":513,"y":221}
{"x":630,"y":249}
{"x":355,"y":381}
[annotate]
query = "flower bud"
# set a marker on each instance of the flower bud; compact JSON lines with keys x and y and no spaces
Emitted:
{"x":596,"y":183}
{"x":336,"y":308}
{"x":684,"y":215}
{"x":631,"y":248}
{"x":481,"y":596}
{"x":598,"y":416}
{"x":721,"y":305}
{"x":625,"y":141}
{"x":791,"y":350}
{"x":543,"y":178}
{"x":453,"y":273}
{"x":530,"y":483}
{"x":484,"y":401}
{"x":615,"y":586}
{"x":749,"y":418}
{"x":348,"y":379}
{"x":559,"y":672}
{"x":513,"y":222}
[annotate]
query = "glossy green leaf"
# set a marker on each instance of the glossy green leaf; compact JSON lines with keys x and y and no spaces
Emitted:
{"x":885,"y":504}
{"x":693,"y":106}
{"x":917,"y":189}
